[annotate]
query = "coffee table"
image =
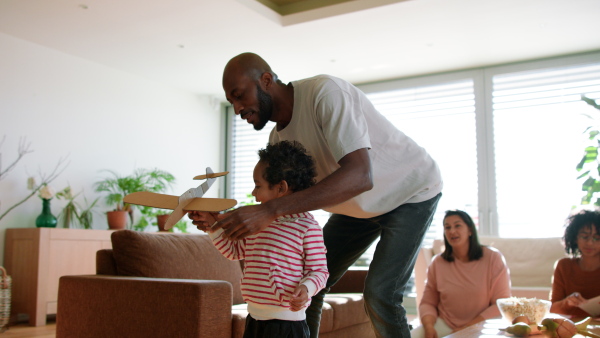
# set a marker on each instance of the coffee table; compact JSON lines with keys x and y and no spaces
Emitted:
{"x":491,"y":328}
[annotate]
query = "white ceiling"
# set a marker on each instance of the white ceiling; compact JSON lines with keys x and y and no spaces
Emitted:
{"x":186,"y":43}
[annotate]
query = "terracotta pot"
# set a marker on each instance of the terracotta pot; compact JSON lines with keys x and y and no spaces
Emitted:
{"x":117,"y":219}
{"x":161,"y":220}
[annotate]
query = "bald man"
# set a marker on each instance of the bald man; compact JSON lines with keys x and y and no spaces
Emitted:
{"x":376,"y":181}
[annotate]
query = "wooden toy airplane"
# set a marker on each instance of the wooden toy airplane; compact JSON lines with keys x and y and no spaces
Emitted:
{"x":191,"y":200}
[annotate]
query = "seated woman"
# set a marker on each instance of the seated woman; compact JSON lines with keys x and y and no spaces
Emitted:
{"x":463,"y":282}
{"x":577,"y":278}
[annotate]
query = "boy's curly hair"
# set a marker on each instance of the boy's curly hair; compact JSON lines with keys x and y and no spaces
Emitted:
{"x":288,"y":160}
{"x":582,"y":219}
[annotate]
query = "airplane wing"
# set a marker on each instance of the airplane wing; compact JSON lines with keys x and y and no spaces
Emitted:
{"x":210,"y":204}
{"x":198,"y":204}
{"x":151,"y":199}
{"x":211,"y":175}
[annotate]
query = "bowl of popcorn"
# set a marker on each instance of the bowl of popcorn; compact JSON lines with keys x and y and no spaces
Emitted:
{"x":532,"y":308}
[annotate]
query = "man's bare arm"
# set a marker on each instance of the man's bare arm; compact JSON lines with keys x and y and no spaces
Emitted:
{"x":352,"y":178}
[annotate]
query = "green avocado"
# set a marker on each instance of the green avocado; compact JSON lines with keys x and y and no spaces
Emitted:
{"x":519,"y":329}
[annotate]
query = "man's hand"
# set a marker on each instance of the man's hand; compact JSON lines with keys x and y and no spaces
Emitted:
{"x":203,"y":220}
{"x":245,"y":221}
{"x":299,"y":298}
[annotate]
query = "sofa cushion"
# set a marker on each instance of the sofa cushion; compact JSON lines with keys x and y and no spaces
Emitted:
{"x":530,"y":260}
{"x":182,"y":256}
{"x":105,"y":262}
{"x":239,"y":313}
{"x":342,"y":310}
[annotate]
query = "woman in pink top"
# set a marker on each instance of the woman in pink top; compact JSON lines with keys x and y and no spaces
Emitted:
{"x":463,"y":282}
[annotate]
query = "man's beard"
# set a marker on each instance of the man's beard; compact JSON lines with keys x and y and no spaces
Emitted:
{"x":265,"y":108}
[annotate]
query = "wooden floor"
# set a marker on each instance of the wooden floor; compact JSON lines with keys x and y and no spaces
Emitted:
{"x":23,"y":330}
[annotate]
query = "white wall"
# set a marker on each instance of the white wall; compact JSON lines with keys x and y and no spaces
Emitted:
{"x":100,"y":118}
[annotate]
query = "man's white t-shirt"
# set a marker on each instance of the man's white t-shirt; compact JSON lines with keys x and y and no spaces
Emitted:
{"x":332,"y":118}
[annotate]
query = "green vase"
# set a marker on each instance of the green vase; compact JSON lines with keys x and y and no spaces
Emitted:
{"x":46,"y":219}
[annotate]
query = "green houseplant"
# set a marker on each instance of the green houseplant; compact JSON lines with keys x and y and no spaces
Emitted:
{"x":73,"y":213}
{"x":590,"y":163}
{"x":117,"y":187}
{"x":158,"y":217}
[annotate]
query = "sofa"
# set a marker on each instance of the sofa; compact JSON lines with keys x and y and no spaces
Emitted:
{"x":530,"y":261}
{"x":179,"y":285}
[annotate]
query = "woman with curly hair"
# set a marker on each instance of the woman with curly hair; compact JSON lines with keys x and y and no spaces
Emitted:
{"x":285,"y":264}
{"x":577,"y":278}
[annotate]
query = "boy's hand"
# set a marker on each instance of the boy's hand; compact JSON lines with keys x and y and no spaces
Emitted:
{"x":203,"y":220}
{"x":299,"y":298}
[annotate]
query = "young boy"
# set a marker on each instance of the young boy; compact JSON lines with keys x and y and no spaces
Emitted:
{"x":284,"y":265}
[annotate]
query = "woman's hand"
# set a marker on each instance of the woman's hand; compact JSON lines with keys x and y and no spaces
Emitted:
{"x":428,"y":323}
{"x":430,"y":331}
{"x":574,"y":299}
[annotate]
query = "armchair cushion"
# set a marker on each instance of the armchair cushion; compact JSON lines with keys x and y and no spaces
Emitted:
{"x":179,"y":256}
{"x":531,"y":260}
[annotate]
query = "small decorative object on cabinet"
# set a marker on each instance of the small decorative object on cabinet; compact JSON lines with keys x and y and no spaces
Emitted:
{"x":117,"y":219}
{"x":73,"y":214}
{"x":46,"y":219}
{"x":5,"y":285}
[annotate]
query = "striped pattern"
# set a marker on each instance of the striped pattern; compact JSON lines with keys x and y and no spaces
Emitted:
{"x":287,"y":253}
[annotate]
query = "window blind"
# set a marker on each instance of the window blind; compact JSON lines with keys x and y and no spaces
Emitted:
{"x":440,"y":118}
{"x":539,"y":119}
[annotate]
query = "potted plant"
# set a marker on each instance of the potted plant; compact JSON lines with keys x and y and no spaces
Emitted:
{"x":157,"y":217}
{"x":151,"y":216}
{"x":118,"y":187}
{"x":590,"y":162}
{"x":73,"y":212}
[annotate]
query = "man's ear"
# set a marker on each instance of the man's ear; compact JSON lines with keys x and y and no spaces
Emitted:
{"x":266,"y":81}
{"x":283,"y":188}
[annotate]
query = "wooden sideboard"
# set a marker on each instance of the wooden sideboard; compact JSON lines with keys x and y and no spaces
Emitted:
{"x":36,"y":258}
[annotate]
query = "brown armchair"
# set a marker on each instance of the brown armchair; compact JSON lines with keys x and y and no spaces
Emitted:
{"x":171,"y":285}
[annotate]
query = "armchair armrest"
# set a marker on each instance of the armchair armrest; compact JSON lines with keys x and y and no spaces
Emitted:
{"x":424,"y":258}
{"x":114,"y":306}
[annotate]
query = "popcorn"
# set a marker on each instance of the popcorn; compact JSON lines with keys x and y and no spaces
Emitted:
{"x":534,"y":309}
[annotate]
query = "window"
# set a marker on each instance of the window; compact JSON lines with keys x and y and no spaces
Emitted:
{"x":538,"y":123}
{"x":440,"y":118}
{"x":507,"y":139}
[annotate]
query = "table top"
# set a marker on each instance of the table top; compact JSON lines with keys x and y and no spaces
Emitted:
{"x":492,"y":328}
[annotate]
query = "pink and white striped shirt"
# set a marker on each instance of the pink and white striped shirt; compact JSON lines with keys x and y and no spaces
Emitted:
{"x":289,"y":252}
